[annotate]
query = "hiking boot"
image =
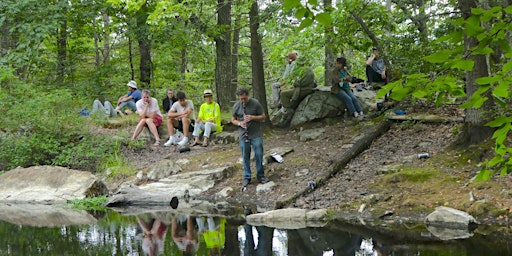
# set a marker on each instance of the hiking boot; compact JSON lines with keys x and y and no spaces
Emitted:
{"x":246,"y":183}
{"x":263,"y":180}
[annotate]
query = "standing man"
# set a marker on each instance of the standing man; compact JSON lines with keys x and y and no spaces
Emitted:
{"x":376,"y":68}
{"x":276,"y":87}
{"x":168,"y":100}
{"x":129,"y":99}
{"x":248,"y":115}
{"x":179,"y":117}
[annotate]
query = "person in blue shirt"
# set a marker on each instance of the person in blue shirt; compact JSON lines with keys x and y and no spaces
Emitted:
{"x":129,"y":99}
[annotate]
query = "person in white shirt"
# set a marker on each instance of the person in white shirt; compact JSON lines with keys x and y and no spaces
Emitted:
{"x":149,"y":116}
{"x":179,"y":117}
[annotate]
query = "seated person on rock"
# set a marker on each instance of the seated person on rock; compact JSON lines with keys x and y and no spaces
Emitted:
{"x":168,"y":100}
{"x":342,"y":87}
{"x":376,"y":68}
{"x":303,"y":84}
{"x":149,"y":116}
{"x":276,"y":87}
{"x":179,"y":117}
{"x":127,"y":100}
{"x":208,"y":119}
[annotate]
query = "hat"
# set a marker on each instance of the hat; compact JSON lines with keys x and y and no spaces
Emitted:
{"x":207,"y":92}
{"x":132,"y":84}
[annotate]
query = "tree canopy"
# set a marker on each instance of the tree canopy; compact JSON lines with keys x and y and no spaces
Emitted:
{"x":57,"y":56}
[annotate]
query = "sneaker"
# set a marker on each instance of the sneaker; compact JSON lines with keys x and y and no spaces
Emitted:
{"x":183,"y":141}
{"x":171,"y":141}
{"x":246,"y":182}
{"x":263,"y":180}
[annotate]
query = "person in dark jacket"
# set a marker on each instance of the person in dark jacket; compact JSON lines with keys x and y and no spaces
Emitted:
{"x":168,"y":100}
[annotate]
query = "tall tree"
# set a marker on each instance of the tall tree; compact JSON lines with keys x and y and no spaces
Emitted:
{"x":62,"y":39}
{"x":223,"y":65}
{"x":258,"y":75}
{"x":142,"y":32}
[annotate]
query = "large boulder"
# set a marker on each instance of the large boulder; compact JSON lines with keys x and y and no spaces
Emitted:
{"x":49,"y":184}
{"x":318,"y":105}
{"x":322,"y":103}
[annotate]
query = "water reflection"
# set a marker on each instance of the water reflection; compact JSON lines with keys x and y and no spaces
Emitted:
{"x":216,"y":234}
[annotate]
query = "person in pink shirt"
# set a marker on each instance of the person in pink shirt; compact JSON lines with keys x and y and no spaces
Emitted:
{"x":149,"y":116}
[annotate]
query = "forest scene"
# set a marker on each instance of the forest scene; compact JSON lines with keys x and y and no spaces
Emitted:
{"x":58,"y":56}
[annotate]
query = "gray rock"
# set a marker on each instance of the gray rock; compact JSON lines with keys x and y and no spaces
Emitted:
{"x":318,"y":105}
{"x":162,"y":169}
{"x":449,"y":217}
{"x":289,"y":218}
{"x":267,"y":187}
{"x":181,"y":185}
{"x":49,"y":184}
{"x":310,"y":134}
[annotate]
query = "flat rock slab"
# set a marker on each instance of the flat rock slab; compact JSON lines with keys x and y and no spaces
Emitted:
{"x":181,"y":185}
{"x":289,"y":218}
{"x":48,"y":184}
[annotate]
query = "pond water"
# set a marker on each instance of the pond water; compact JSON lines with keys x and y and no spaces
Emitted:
{"x":164,"y":233}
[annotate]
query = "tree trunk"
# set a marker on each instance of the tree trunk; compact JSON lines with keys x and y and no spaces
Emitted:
{"x":106,"y":38}
{"x":234,"y":60}
{"x":130,"y":56}
{"x":474,"y":130}
{"x":258,"y":74}
{"x":329,"y":42}
{"x":61,"y":47}
{"x":144,"y":45}
{"x":223,"y":67}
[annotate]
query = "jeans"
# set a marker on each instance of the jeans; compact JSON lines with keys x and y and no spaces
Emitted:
{"x":107,"y":108}
{"x":276,"y":90}
{"x":350,"y":101}
{"x":245,"y":147}
{"x":207,"y":127}
{"x":130,"y":104}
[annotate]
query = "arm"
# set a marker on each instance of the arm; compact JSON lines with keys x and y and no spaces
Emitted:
{"x":369,"y":61}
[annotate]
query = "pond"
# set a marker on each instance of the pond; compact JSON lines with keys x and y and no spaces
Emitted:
{"x":51,"y":232}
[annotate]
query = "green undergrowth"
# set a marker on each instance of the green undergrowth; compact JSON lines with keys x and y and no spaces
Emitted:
{"x":411,"y":175}
{"x":89,"y":203}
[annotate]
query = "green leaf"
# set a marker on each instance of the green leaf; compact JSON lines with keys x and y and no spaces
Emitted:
{"x":305,"y":23}
{"x":477,"y":11}
{"x":290,"y":4}
{"x":484,"y":174}
{"x":507,"y":67}
{"x":300,"y":13}
{"x":313,"y":2}
{"x":464,"y":65}
{"x":499,"y":121}
{"x":501,"y":90}
{"x":508,"y":9}
{"x":473,"y":26}
{"x":399,"y":93}
{"x":438,"y":57}
{"x":419,"y":93}
{"x":488,"y":79}
{"x":324,"y":18}
{"x":482,"y":50}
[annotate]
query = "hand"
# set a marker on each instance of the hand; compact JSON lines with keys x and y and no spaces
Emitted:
{"x":243,"y":124}
{"x":248,"y":118}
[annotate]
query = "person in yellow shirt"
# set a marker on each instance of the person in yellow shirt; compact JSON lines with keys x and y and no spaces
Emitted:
{"x":208,"y":119}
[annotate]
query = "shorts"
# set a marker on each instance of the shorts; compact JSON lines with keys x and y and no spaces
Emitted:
{"x":157,"y":120}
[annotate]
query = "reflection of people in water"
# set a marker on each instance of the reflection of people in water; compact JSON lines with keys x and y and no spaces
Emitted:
{"x":213,"y":233}
{"x":184,"y":234}
{"x":154,"y":236}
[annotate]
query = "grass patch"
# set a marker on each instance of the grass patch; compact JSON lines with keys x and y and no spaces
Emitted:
{"x":89,"y":203}
{"x":116,"y":166}
{"x":410,"y":175}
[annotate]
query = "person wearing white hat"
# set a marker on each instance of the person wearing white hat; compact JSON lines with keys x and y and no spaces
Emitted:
{"x":130,"y":98}
{"x":208,"y":119}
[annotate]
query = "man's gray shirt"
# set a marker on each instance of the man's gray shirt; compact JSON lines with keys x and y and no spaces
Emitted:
{"x":253,"y":107}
